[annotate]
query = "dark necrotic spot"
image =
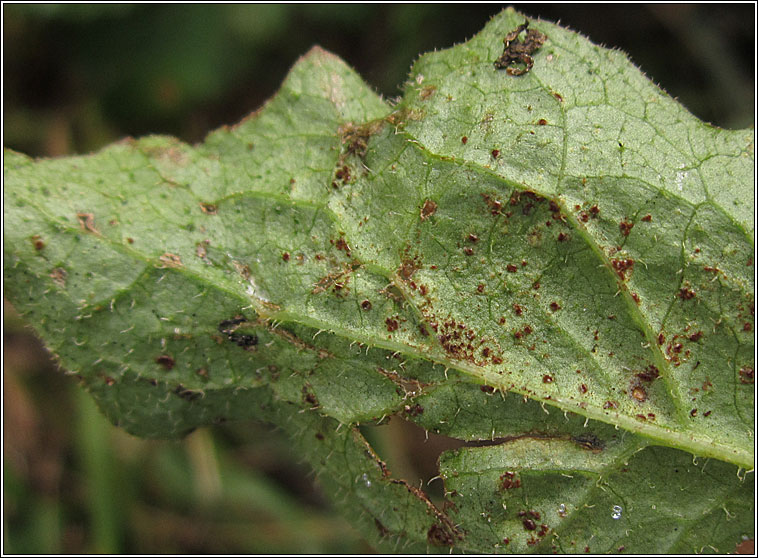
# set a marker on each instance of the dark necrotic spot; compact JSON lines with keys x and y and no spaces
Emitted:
{"x":686,"y":293}
{"x":187,"y":394}
{"x":508,"y":480}
{"x":439,"y":536}
{"x":166,"y":361}
{"x":244,"y":340}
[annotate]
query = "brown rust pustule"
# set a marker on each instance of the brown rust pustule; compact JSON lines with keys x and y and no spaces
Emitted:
{"x":428,"y":209}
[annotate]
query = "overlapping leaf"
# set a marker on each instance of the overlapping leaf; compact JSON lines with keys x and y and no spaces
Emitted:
{"x":571,"y":234}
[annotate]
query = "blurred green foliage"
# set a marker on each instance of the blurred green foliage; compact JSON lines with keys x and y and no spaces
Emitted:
{"x":79,"y":76}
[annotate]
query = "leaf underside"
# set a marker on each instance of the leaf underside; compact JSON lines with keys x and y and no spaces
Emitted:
{"x":558,"y":263}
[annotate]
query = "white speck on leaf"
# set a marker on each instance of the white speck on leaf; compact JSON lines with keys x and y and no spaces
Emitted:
{"x":617,"y":511}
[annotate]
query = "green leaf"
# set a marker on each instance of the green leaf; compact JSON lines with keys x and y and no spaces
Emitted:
{"x":570,"y":236}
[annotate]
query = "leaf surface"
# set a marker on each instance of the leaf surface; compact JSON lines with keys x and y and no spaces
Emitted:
{"x":571,"y":236}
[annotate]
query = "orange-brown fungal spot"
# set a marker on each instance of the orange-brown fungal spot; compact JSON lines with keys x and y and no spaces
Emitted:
{"x":87,"y":222}
{"x":509,"y":480}
{"x":408,"y":267}
{"x":427,"y":91}
{"x":170,"y":260}
{"x":341,"y":244}
{"x":343,"y":174}
{"x":649,"y":374}
{"x":622,"y":267}
{"x":495,"y":206}
{"x":38,"y":243}
{"x":639,"y":393}
{"x":428,"y":209}
{"x":685,"y":293}
{"x":58,"y":275}
{"x":697,"y":336}
{"x":209,"y":208}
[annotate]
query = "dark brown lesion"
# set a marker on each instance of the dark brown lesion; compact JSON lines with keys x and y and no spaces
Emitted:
{"x":518,"y":52}
{"x":229,"y":328}
{"x":356,"y":138}
{"x":589,"y":442}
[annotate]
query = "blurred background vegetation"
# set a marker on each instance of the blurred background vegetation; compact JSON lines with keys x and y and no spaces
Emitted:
{"x":77,"y":77}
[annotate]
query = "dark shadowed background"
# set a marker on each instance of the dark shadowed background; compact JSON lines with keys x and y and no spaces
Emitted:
{"x":77,"y":77}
